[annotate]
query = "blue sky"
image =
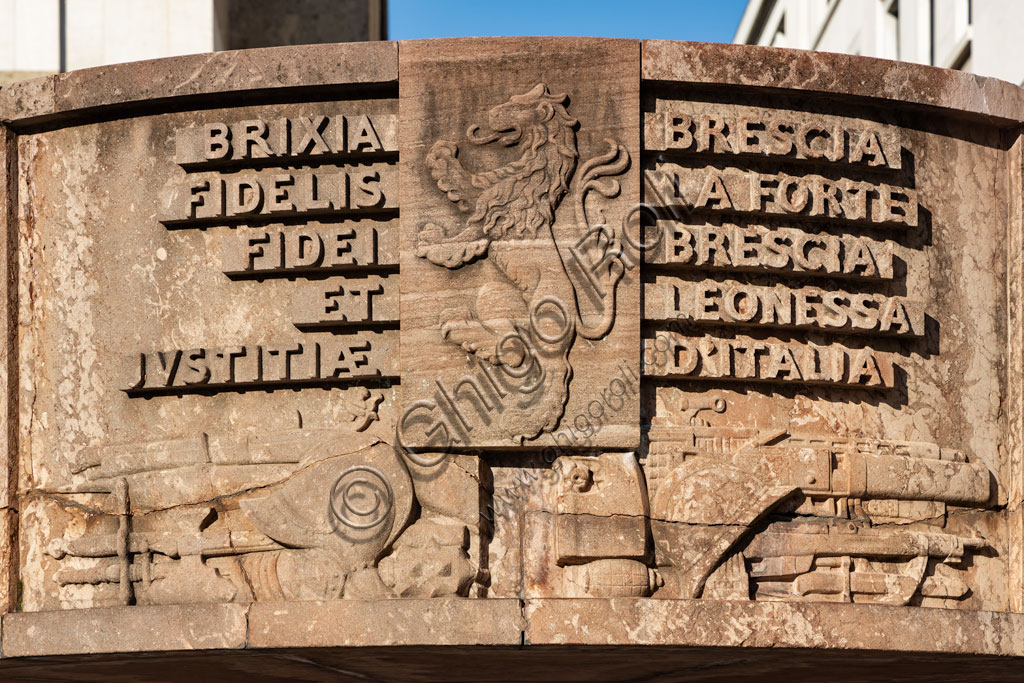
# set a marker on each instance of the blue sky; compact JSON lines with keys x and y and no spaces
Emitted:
{"x":705,"y":20}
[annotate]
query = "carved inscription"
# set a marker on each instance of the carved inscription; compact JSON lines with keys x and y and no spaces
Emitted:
{"x":787,"y":223}
{"x":806,"y":307}
{"x":781,"y":194}
{"x":274,"y":193}
{"x":830,"y":138}
{"x":348,"y":301}
{"x":246,"y":179}
{"x":314,"y":247}
{"x":737,"y":248}
{"x":331,"y":360}
{"x":671,"y":354}
{"x":312,"y":138}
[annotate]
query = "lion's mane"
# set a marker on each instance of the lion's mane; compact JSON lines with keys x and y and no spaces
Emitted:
{"x":520,"y":199}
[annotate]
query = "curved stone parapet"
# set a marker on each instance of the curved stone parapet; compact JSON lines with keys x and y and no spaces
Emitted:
{"x":473,"y":347}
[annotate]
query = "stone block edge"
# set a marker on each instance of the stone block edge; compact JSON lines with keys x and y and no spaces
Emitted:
{"x":455,"y":622}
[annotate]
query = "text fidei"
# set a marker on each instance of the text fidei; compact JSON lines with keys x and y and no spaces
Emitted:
{"x":311,"y":247}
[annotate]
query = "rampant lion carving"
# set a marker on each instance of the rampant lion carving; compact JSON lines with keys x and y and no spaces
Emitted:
{"x":529,"y":315}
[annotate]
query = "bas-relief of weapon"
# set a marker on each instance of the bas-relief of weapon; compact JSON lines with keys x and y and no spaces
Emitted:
{"x":856,"y":540}
{"x":298,"y":520}
{"x":835,"y":562}
{"x":722,"y":483}
{"x":825,"y":466}
{"x":175,"y":472}
{"x":104,"y":463}
{"x":194,"y":469}
{"x":171,"y":544}
{"x":140,"y":558}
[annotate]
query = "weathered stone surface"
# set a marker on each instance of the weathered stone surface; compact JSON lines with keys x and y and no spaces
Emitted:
{"x":119,"y":629}
{"x":28,"y":99}
{"x":360,"y":347}
{"x":829,"y":73}
{"x":9,"y":569}
{"x":450,"y":621}
{"x":8,"y":303}
{"x":338,"y":64}
{"x":694,"y":623}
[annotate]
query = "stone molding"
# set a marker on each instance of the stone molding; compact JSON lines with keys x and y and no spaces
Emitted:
{"x":585,"y":622}
{"x":277,"y":68}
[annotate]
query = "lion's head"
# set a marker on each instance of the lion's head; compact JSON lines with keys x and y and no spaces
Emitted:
{"x":520,"y":199}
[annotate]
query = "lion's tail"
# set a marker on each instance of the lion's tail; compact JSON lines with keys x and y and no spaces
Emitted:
{"x":603,"y":326}
{"x":593,"y":178}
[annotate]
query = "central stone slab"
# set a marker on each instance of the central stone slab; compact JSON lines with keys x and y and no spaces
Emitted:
{"x":520,"y":295}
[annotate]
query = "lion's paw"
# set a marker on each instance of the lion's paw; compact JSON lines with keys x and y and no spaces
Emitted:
{"x":429,"y":235}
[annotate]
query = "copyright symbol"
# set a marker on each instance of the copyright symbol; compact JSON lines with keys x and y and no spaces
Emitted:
{"x":361,"y":498}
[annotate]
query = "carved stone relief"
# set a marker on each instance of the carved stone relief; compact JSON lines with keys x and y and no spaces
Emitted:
{"x":549,"y":335}
{"x":516,"y":254}
{"x":526,"y":321}
{"x":773,"y":514}
{"x":796,"y":335}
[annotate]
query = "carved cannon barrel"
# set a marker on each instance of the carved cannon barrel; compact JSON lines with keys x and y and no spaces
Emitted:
{"x":381,"y":356}
{"x":902,"y":478}
{"x":887,"y":547}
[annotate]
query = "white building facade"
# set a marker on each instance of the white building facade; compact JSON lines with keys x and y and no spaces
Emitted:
{"x":48,"y":36}
{"x":979,"y":36}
